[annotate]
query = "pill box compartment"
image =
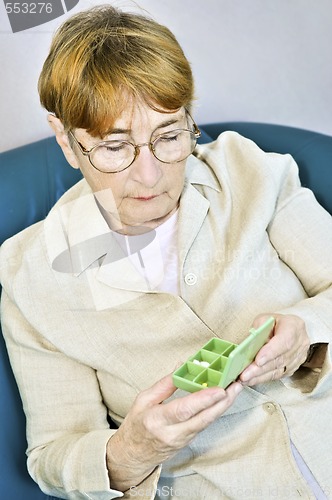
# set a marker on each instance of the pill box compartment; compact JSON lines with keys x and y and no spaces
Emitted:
{"x":219,"y":362}
{"x":192,"y":376}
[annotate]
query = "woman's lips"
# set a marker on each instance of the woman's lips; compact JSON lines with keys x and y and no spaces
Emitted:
{"x":145,"y":198}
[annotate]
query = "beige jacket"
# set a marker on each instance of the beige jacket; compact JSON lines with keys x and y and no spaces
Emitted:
{"x":85,"y":341}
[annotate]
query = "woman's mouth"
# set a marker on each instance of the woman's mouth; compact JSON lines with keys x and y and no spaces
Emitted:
{"x":145,"y":198}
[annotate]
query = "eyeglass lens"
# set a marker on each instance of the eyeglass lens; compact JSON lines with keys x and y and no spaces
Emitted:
{"x":170,"y":147}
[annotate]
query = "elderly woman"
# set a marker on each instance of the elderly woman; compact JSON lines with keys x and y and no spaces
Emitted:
{"x":160,"y":247}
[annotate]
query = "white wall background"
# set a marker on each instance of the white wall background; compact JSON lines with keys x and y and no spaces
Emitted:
{"x":253,"y":60}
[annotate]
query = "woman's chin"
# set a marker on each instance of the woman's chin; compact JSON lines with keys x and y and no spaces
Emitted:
{"x":145,"y":222}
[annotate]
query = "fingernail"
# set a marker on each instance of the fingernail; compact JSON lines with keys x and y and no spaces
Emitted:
{"x":246,"y":375}
{"x":238,"y":388}
{"x":261,"y":361}
{"x":219,"y":395}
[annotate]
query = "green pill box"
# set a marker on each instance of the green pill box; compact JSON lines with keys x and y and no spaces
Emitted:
{"x":219,"y":363}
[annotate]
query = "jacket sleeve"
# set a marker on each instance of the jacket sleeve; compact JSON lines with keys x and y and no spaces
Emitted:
{"x":301,"y":233}
{"x":67,"y":427}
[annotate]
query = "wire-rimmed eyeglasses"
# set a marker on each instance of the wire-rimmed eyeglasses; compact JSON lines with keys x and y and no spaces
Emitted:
{"x":114,"y":156}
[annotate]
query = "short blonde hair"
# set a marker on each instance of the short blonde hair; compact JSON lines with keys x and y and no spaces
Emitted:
{"x":102,"y":57}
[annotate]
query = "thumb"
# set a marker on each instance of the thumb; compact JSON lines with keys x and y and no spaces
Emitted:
{"x":158,"y":392}
{"x":260,"y":319}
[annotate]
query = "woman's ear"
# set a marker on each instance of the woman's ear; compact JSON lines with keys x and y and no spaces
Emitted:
{"x":62,"y":139}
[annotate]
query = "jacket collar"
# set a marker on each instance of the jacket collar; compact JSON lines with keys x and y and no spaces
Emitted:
{"x":90,"y":242}
{"x":199,"y":171}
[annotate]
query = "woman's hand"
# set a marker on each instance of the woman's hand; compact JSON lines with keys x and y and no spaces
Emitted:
{"x":283,"y":354}
{"x":152,"y":432}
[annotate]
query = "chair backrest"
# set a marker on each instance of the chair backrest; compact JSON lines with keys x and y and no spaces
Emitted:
{"x":311,"y":150}
{"x":33,"y":177}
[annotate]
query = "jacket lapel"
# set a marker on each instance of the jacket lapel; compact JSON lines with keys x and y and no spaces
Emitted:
{"x":194,"y":208}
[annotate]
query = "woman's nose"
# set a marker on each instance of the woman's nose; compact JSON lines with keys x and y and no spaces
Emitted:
{"x":146,"y":168}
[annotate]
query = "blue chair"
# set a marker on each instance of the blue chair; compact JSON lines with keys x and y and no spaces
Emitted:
{"x":311,"y":150}
{"x":33,"y":177}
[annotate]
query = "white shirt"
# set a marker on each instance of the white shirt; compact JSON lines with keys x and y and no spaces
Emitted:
{"x":155,"y":255}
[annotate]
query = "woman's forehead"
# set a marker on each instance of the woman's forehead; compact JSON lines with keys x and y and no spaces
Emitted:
{"x":139,"y":118}
{"x":140,"y":114}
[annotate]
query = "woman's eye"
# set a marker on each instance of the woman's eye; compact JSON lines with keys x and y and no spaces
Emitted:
{"x":170,"y":137}
{"x":114,"y":148}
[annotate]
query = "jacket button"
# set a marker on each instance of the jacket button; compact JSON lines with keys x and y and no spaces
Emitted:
{"x":190,"y":279}
{"x":269,"y":408}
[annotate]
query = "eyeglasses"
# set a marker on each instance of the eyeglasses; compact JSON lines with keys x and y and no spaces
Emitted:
{"x":114,"y":156}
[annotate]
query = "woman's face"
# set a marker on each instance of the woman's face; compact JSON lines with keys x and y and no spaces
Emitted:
{"x":148,"y":192}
